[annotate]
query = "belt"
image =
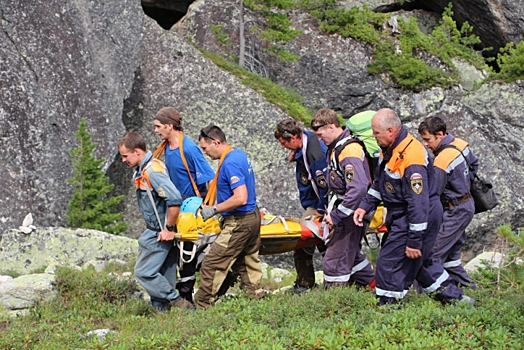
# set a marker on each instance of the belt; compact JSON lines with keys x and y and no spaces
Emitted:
{"x":240,"y":215}
{"x":153,"y":228}
{"x":452,"y":203}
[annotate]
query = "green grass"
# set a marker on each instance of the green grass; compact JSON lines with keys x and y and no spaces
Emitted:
{"x":286,"y":99}
{"x":340,"y":318}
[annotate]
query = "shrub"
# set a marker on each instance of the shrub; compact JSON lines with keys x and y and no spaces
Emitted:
{"x":90,"y":206}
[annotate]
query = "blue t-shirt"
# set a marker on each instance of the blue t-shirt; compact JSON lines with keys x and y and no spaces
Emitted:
{"x":236,"y":170}
{"x":198,"y":166}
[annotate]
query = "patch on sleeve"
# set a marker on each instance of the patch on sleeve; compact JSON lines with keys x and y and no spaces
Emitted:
{"x":304,"y":180}
{"x":234,"y":179}
{"x":389,"y":187}
{"x":319,"y":172}
{"x":333,"y":177}
{"x":321,"y":180}
{"x":416,"y":183}
{"x":349,"y":173}
{"x":161,"y":192}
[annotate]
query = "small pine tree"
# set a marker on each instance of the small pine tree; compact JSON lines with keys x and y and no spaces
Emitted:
{"x":90,"y":207}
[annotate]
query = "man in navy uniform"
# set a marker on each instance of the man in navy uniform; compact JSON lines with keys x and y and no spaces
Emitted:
{"x":405,"y":183}
{"x":309,"y":155}
{"x":452,"y":160}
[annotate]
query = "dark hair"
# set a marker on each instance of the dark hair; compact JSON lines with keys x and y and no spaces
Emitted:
{"x":288,"y":128}
{"x":133,"y":140}
{"x":212,"y":132}
{"x":433,"y":125}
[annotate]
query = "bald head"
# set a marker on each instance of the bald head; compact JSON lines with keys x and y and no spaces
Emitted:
{"x":386,"y":125}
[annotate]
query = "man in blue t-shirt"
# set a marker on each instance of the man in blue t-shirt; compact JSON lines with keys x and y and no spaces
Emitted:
{"x":238,"y":243}
{"x":309,"y":155}
{"x":168,"y":125}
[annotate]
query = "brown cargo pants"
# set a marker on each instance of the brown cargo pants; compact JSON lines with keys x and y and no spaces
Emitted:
{"x":236,"y":247}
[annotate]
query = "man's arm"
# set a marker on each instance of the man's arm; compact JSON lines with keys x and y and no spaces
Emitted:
{"x":238,"y":199}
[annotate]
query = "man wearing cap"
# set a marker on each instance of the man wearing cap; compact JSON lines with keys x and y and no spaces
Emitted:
{"x":156,"y":265}
{"x":190,"y":173}
{"x":237,"y":245}
{"x":309,"y":155}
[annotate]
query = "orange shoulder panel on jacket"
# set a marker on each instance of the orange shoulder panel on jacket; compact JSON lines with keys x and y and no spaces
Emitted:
{"x":413,"y":153}
{"x":449,"y":154}
{"x":157,"y":166}
{"x":354,"y":149}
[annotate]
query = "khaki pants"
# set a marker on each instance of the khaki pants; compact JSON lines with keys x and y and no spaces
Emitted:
{"x":236,"y":247}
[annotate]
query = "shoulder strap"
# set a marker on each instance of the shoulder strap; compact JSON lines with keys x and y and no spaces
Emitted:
{"x":181,"y":147}
{"x":449,"y":145}
{"x":211,"y":196}
{"x":338,"y":149}
{"x":305,"y":141}
{"x":149,"y":194}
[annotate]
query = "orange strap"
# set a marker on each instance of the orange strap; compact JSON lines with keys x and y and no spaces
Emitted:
{"x":181,"y":146}
{"x":212,"y":193}
{"x":162,"y":148}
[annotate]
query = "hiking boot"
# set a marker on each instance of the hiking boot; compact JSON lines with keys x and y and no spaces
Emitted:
{"x":187,"y":295}
{"x":182,"y":304}
{"x":298,"y":289}
{"x":466,"y":299}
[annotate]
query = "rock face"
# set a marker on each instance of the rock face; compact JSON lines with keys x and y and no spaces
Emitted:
{"x":25,"y":254}
{"x":108,"y":62}
{"x":60,"y":61}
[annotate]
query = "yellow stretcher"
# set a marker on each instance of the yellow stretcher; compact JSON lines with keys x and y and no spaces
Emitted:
{"x":278,"y":234}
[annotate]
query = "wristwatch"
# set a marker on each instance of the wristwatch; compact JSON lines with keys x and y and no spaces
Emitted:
{"x":171,"y":228}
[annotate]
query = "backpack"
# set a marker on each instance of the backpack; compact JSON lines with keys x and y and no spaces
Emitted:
{"x":481,"y":190}
{"x":335,"y":165}
{"x":360,"y":126}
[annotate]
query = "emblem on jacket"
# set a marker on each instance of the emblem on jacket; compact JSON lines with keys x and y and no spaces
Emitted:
{"x":389,"y":187}
{"x":304,"y":179}
{"x":349,"y":173}
{"x":416,"y":183}
{"x":321,"y":180}
{"x":333,"y":176}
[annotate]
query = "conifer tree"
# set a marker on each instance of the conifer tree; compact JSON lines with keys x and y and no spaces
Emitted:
{"x":91,"y":206}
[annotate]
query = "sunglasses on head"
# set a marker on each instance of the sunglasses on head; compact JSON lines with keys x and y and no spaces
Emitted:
{"x":316,"y":127}
{"x":206,"y":135}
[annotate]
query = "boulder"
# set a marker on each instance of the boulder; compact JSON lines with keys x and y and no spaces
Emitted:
{"x":25,"y":254}
{"x":24,"y":291}
{"x":492,"y":259}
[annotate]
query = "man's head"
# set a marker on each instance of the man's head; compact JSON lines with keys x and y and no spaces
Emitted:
{"x":166,"y":120}
{"x":289,"y":134}
{"x":326,"y":125}
{"x":432,"y":130}
{"x":212,"y":141}
{"x":386,"y":125}
{"x":132,"y":148}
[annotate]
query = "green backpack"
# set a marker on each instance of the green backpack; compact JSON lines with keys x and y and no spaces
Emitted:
{"x":360,"y":126}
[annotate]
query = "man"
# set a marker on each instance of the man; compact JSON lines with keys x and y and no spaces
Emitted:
{"x":190,"y":173}
{"x":452,"y":156}
{"x":237,"y":245}
{"x":349,"y":179}
{"x":155,"y":267}
{"x":309,"y":156}
{"x":405,"y":183}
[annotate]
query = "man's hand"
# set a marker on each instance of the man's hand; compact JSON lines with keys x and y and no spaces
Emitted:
{"x":358,"y":216}
{"x":165,"y":235}
{"x":413,"y":253}
{"x":291,"y":156}
{"x":327,"y":219}
{"x":208,"y":212}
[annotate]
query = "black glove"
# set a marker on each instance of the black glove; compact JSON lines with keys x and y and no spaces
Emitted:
{"x":208,"y":212}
